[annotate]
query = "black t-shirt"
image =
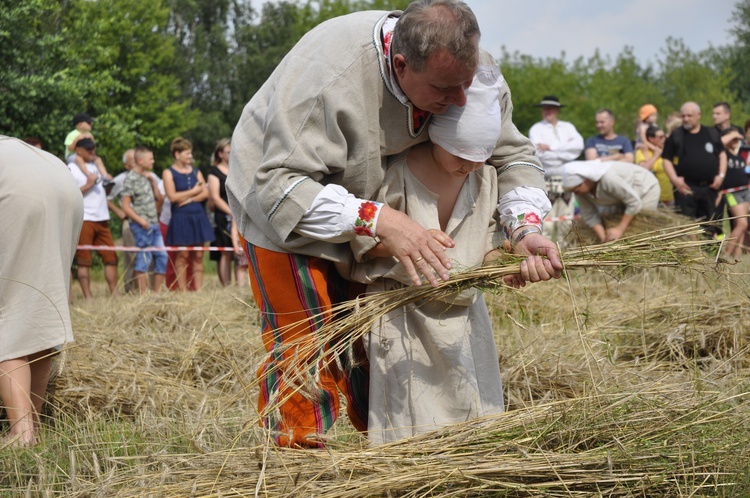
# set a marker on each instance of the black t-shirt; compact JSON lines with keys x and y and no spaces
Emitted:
{"x":697,"y":159}
{"x":736,"y":176}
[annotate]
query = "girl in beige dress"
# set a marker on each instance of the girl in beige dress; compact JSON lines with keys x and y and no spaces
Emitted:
{"x":435,"y":363}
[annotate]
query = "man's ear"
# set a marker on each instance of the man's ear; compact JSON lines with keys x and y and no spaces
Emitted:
{"x":399,"y":65}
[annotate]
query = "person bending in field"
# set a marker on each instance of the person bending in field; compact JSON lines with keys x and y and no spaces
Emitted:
{"x":435,"y":363}
{"x":625,"y":187}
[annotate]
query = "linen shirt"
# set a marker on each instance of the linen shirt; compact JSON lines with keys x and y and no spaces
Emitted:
{"x":564,"y":141}
{"x":329,"y":116}
{"x":623,"y":184}
{"x":433,"y":363}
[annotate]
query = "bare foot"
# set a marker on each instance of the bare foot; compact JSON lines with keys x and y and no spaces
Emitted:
{"x":25,"y":439}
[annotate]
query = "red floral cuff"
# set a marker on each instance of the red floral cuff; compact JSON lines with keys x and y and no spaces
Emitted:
{"x":523,"y":219}
{"x":366,"y":218}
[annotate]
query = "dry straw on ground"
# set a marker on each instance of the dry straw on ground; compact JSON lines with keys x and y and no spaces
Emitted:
{"x":619,"y":383}
{"x":352,"y":320}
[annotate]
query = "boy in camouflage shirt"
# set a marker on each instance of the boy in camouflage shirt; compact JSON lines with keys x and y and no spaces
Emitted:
{"x":140,"y":201}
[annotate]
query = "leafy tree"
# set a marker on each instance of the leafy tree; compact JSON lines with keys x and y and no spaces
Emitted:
{"x":688,"y":76}
{"x":109,"y":58}
{"x":622,"y":85}
{"x":37,"y":86}
{"x":205,"y":63}
{"x":738,"y":54}
{"x":122,"y":47}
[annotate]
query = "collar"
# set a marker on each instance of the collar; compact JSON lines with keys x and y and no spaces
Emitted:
{"x":382,"y":36}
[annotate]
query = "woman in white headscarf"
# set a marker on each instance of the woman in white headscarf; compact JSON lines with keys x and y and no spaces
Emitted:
{"x":611,"y":184}
{"x":434,"y":363}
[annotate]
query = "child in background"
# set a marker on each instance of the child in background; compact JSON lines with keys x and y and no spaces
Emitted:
{"x":141,"y":200}
{"x":435,"y":363}
{"x":738,"y":202}
{"x":83,"y":124}
{"x":648,"y":116}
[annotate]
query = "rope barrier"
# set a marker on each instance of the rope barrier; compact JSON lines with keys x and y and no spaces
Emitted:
{"x":153,"y":249}
{"x":733,"y":189}
{"x":562,"y":218}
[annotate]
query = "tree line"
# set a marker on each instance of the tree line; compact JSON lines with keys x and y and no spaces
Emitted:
{"x":149,"y":70}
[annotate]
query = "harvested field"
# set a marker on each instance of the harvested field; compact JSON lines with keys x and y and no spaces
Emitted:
{"x":619,"y":382}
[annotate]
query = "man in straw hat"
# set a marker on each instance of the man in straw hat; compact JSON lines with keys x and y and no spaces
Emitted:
{"x":557,"y":142}
{"x":308,"y":154}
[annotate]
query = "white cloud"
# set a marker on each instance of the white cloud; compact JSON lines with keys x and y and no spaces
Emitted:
{"x":545,"y":28}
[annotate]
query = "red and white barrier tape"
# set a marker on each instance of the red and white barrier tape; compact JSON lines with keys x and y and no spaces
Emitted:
{"x":153,"y":249}
{"x":562,"y":218}
{"x":733,"y":189}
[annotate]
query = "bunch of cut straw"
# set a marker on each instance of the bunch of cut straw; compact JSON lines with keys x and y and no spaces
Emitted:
{"x":600,"y":445}
{"x":644,"y":222}
{"x":352,"y":320}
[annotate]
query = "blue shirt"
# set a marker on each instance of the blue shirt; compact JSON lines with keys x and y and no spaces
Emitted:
{"x":605,"y":147}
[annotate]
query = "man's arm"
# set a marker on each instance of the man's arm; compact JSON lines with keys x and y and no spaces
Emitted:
{"x":719,"y":179}
{"x":90,"y":182}
{"x":158,"y":196}
{"x":677,"y":181}
{"x":619,"y":157}
{"x":571,"y":144}
{"x":116,"y":209}
{"x":590,"y":153}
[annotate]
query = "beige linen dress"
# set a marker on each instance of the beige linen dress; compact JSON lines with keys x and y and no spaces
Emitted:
{"x":433,"y":363}
{"x":42,"y":213}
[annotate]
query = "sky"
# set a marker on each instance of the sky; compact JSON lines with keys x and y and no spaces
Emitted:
{"x":545,"y":28}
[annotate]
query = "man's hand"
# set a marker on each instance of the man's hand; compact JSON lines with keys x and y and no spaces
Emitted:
{"x":542,"y":147}
{"x":718,"y":180}
{"x":414,"y":246}
{"x":681,"y":186}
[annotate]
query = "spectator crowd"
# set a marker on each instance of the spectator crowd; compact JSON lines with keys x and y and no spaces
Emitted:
{"x":168,"y":222}
{"x":166,"y":227}
{"x":700,"y":171}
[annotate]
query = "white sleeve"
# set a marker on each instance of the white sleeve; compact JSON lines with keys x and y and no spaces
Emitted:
{"x":523,"y":206}
{"x":337,"y":216}
{"x":571,"y":145}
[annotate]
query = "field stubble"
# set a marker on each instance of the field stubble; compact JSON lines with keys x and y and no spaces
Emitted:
{"x":630,"y":384}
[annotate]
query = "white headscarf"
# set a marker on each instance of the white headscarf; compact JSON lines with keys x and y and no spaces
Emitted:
{"x":575,"y":172}
{"x":472,"y":131}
